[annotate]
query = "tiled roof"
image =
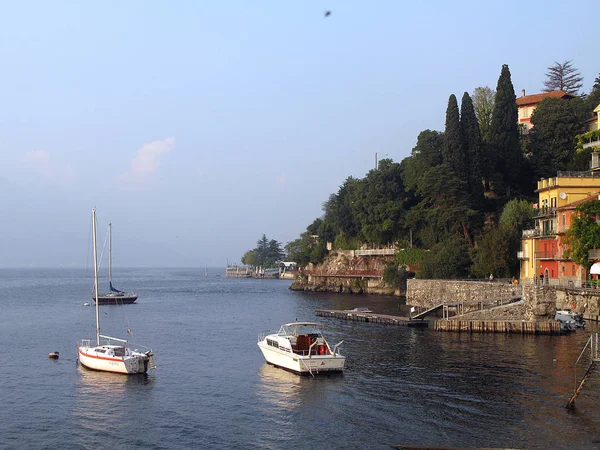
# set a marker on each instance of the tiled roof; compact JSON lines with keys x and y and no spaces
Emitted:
{"x":536,"y":98}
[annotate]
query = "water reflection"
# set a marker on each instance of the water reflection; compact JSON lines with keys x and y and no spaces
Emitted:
{"x":283,"y":389}
{"x":103,"y":404}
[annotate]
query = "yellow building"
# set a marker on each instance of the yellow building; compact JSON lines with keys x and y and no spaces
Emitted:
{"x":542,"y":251}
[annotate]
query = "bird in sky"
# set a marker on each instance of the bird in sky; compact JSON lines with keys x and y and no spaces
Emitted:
{"x":327,"y":13}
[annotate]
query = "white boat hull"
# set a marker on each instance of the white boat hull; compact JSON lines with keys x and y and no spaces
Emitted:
{"x":137,"y":363}
{"x":293,"y":362}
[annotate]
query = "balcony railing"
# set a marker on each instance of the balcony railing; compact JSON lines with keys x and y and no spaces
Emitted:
{"x":522,"y":255}
{"x":593,"y":142}
{"x":594,"y":253}
{"x":545,"y":211}
{"x":548,"y":254}
{"x":584,"y":174}
{"x":535,"y":232}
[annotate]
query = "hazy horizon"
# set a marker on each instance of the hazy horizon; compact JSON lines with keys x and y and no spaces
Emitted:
{"x":195,"y":128}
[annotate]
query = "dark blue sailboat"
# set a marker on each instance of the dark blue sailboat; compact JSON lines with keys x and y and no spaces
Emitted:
{"x":114,"y":296}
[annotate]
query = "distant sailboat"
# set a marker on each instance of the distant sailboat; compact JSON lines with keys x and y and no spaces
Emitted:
{"x":114,"y":296}
{"x":114,"y":355}
{"x":205,"y":271}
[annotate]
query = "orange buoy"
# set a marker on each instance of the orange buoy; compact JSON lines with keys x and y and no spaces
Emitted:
{"x":53,"y":355}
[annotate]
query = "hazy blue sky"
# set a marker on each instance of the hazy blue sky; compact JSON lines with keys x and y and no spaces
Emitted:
{"x":197,"y":126}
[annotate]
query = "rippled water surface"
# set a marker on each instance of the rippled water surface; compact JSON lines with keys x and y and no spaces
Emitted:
{"x":212,"y":389}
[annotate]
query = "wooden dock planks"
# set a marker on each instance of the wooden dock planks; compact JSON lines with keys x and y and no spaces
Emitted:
{"x":455,"y":325}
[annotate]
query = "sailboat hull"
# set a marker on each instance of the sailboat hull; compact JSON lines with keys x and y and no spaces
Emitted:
{"x":91,"y":358}
{"x":116,"y":298}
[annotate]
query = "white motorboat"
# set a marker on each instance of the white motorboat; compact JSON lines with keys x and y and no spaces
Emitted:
{"x":301,"y":348}
{"x":110,"y":354}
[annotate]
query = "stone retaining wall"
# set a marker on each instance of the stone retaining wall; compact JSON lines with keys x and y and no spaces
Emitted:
{"x":539,"y":301}
{"x":429,"y":293}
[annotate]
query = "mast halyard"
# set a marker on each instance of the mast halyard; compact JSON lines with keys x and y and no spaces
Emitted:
{"x":96,"y":278}
{"x":110,"y":256}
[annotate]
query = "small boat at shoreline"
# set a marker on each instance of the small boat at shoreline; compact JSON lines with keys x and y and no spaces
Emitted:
{"x":300,"y":347}
{"x":569,"y":320}
{"x":358,"y":310}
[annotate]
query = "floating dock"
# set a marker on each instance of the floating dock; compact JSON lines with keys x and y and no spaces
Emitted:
{"x":358,"y":316}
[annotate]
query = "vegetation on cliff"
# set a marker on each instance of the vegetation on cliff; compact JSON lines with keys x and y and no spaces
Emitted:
{"x":462,"y":196}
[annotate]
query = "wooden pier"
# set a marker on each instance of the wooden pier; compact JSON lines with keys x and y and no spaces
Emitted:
{"x":497,"y":326}
{"x":357,"y":316}
{"x":456,"y":325}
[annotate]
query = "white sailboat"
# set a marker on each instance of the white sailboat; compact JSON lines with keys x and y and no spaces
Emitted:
{"x":112,"y":354}
{"x":113,"y":296}
{"x":205,"y":271}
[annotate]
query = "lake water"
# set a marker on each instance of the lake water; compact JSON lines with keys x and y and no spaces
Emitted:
{"x":212,"y":388}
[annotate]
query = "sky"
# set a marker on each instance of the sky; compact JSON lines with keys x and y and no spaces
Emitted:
{"x":197,"y":127}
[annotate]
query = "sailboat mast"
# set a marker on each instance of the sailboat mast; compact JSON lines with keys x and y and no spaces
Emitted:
{"x":110,"y":255}
{"x":96,"y":278}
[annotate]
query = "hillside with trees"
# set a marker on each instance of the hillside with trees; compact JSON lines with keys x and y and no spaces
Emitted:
{"x":464,"y":194}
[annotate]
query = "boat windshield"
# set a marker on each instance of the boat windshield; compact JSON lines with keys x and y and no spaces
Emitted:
{"x":299,"y":329}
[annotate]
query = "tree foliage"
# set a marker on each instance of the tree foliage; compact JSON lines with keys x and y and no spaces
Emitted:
{"x":563,"y":77}
{"x":473,"y":146}
{"x":498,"y":245}
{"x":454,"y":149}
{"x":395,"y":275}
{"x":425,"y":155}
{"x":444,"y":209}
{"x":446,"y":260}
{"x":505,"y":134}
{"x":483,"y":103}
{"x":266,"y":254}
{"x":584,"y":233}
{"x":552,"y":144}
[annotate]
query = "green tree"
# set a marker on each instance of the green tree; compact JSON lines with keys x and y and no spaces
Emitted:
{"x":556,"y":123}
{"x":493,"y":254}
{"x":498,"y":245}
{"x":249,"y":258}
{"x":563,"y":77}
{"x":425,"y":155}
{"x":446,"y":260}
{"x":454,"y":149}
{"x":483,"y":103}
{"x":505,"y":134}
{"x":593,"y":99}
{"x":379,"y":203}
{"x":339,"y":210}
{"x":395,"y":276}
{"x":266,"y":254}
{"x":473,"y":148}
{"x":444,"y":210}
{"x":584,"y":233}
{"x":516,"y":215}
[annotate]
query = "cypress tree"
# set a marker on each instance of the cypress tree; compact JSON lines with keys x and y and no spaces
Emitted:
{"x":473,"y":147}
{"x":505,"y":133}
{"x":454,"y":149}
